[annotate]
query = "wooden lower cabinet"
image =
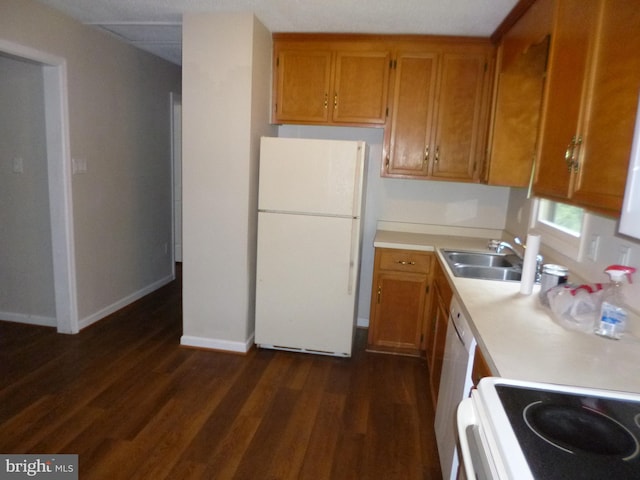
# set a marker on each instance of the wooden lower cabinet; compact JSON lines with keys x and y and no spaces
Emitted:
{"x":438,"y":319}
{"x":400,"y":297}
{"x":480,"y":367}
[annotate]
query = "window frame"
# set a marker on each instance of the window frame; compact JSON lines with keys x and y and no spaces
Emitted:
{"x":559,"y":239}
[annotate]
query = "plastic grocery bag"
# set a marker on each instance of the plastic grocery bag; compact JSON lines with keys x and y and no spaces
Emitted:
{"x":576,"y":307}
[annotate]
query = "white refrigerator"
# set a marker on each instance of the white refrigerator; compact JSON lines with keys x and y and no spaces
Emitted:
{"x":310,"y":202}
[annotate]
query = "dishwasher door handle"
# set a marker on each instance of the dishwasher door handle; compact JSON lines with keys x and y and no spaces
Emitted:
{"x":455,"y":327}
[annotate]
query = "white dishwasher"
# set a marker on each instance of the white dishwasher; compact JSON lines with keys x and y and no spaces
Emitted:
{"x":455,"y":386}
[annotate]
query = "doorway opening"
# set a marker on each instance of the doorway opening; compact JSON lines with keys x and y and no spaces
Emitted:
{"x":58,"y":163}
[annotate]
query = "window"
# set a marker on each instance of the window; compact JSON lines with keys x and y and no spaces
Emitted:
{"x":565,"y":218}
{"x":561,"y":226}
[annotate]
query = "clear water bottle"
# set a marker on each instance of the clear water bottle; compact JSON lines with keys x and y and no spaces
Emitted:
{"x":613,"y":315}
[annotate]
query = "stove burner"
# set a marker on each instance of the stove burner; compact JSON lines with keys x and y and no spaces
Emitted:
{"x":577,"y":429}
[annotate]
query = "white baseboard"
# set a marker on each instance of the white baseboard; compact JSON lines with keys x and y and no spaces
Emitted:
{"x":114,"y":307}
{"x":216,"y":344}
{"x":29,"y":319}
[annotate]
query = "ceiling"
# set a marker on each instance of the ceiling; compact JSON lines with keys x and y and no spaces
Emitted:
{"x":155,"y":25}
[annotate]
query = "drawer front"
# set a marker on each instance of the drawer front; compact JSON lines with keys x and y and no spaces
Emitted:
{"x":405,"y":261}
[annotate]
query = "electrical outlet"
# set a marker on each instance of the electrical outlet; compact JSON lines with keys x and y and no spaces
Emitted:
{"x":594,"y":245}
{"x":624,"y":254}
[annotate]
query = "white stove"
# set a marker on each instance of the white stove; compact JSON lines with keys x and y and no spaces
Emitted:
{"x":514,"y":430}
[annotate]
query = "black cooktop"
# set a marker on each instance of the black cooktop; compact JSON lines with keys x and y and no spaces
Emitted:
{"x":572,"y":436}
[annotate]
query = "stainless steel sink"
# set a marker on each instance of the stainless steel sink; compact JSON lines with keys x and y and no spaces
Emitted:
{"x":480,"y":259}
{"x":487,"y":266}
{"x":487,"y":273}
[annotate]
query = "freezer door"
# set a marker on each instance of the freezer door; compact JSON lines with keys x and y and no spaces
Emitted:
{"x":307,"y":277}
{"x":321,"y":177}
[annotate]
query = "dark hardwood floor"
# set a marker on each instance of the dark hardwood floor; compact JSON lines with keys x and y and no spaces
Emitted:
{"x":132,"y":403}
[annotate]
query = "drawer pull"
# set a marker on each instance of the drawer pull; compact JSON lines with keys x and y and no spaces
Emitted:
{"x":404,"y":262}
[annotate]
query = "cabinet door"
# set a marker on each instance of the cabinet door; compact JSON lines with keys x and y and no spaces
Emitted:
{"x":607,"y":133}
{"x":407,"y":138}
{"x":437,"y":353}
{"x":522,"y":65}
{"x":441,"y":299}
{"x":399,"y":309}
{"x":360,"y":87}
{"x":459,"y":132}
{"x":302,"y":85}
{"x":480,"y":367}
{"x":570,"y":46}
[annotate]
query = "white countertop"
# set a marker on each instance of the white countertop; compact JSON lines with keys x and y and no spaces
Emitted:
{"x":518,"y":336}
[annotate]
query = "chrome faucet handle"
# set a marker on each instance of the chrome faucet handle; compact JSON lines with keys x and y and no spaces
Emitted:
{"x":539,"y":262}
{"x":493,"y":244}
{"x":518,"y":241}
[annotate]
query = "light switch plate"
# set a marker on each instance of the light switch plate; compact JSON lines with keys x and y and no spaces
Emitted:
{"x":18,"y":165}
{"x":79,"y":165}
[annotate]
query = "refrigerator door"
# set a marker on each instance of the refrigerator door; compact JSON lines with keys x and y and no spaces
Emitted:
{"x":307,"y":277}
{"x":318,"y":177}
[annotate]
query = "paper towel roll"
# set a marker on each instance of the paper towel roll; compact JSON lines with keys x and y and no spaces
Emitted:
{"x":529,"y":264}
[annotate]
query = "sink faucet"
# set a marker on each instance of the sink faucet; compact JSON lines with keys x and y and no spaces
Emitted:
{"x":499,"y":246}
{"x":502,"y":245}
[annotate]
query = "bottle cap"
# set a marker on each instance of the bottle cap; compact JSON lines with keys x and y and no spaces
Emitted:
{"x":618,"y":272}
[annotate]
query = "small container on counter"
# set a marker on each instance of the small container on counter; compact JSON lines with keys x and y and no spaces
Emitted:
{"x":552,"y":276}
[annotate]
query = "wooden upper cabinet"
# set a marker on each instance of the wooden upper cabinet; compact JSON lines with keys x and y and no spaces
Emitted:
{"x":590,"y":105}
{"x":412,"y":114}
{"x":520,"y":74}
{"x":361,"y":84}
{"x":302,"y":85}
{"x":570,"y":45}
{"x":460,"y":128}
{"x":318,"y":81}
{"x":612,"y":99}
{"x":439,"y":105}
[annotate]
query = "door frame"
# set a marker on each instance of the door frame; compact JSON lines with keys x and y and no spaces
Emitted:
{"x":175,"y":100}
{"x":54,"y":70}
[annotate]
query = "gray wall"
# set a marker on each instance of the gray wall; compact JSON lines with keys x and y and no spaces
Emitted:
{"x":408,"y":201}
{"x":118,"y":107}
{"x":26,"y":265}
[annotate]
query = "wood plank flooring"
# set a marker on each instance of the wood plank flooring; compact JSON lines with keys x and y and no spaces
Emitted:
{"x":133,"y":404}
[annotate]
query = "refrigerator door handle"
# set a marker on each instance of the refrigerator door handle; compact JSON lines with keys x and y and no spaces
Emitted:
{"x":357,"y":183}
{"x":353,"y":251}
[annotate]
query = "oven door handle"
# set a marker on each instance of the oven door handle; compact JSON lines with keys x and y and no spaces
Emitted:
{"x":475,"y":457}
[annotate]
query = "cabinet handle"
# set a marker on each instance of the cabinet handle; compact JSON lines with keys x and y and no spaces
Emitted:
{"x":571,"y":154}
{"x":326,"y":100}
{"x":335,"y":100}
{"x":568,"y":154}
{"x":379,"y":292}
{"x":404,"y":262}
{"x":576,"y":153}
{"x":437,"y":157}
{"x":426,"y":155}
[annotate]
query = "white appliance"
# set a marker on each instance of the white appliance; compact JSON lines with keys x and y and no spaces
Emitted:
{"x":455,"y":385}
{"x":517,"y":430}
{"x":309,"y":240}
{"x":630,"y":216}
